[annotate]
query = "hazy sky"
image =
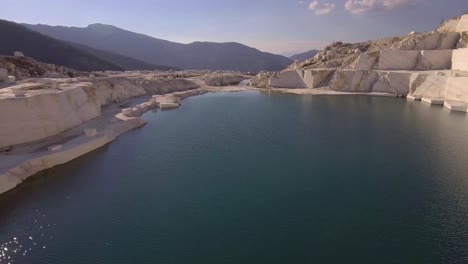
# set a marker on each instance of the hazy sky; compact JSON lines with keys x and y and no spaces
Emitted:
{"x":277,"y":26}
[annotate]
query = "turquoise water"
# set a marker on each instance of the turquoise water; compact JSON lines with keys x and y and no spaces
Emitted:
{"x":255,"y":178}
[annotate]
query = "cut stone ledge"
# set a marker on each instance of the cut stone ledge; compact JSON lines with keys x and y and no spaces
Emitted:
{"x":19,"y":92}
{"x":55,"y":148}
{"x":414,"y":97}
{"x":433,"y":101}
{"x":90,"y":132}
{"x":168,"y":105}
{"x":456,"y":106}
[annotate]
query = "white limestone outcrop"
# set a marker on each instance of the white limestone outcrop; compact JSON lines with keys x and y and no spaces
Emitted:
{"x":62,"y":153}
{"x":430,"y":65}
{"x":41,"y":111}
{"x":44,"y":115}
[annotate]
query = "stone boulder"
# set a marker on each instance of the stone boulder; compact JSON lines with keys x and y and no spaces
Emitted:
{"x":261,"y":80}
{"x":11,"y":79}
{"x":18,"y":54}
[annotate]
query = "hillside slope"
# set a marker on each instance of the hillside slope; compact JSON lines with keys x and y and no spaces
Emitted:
{"x":43,"y":48}
{"x":304,"y":56}
{"x":127,"y":63}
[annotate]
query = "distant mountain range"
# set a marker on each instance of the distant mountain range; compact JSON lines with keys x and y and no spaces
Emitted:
{"x":16,"y":37}
{"x":197,"y":55}
{"x":304,"y":56}
{"x":47,"y":49}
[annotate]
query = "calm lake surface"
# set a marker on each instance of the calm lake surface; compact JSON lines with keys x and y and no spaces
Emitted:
{"x":256,"y":178}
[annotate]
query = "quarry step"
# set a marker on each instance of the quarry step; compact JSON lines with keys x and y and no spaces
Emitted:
{"x":164,"y":106}
{"x":414,"y":97}
{"x":456,"y":106}
{"x":433,"y":101}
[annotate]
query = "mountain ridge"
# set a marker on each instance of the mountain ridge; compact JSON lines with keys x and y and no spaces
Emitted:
{"x":47,"y":49}
{"x":196,"y":55}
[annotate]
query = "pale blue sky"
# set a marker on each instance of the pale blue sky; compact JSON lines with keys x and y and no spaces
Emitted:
{"x":277,"y":26}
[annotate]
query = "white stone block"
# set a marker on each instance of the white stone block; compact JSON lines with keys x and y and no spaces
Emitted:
{"x":90,"y":132}
{"x":55,"y":148}
{"x":398,"y":59}
{"x":433,"y":101}
{"x":456,"y":106}
{"x":18,"y":54}
{"x":460,"y":60}
{"x":11,"y":79}
{"x":288,"y":79}
{"x":18,"y":92}
{"x":127,"y":112}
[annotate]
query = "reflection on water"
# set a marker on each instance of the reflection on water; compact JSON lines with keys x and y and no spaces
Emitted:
{"x":35,"y":236}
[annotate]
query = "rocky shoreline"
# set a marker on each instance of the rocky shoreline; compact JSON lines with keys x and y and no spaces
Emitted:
{"x":77,"y":116}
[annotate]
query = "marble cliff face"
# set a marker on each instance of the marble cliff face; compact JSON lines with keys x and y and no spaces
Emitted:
{"x":432,"y":65}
